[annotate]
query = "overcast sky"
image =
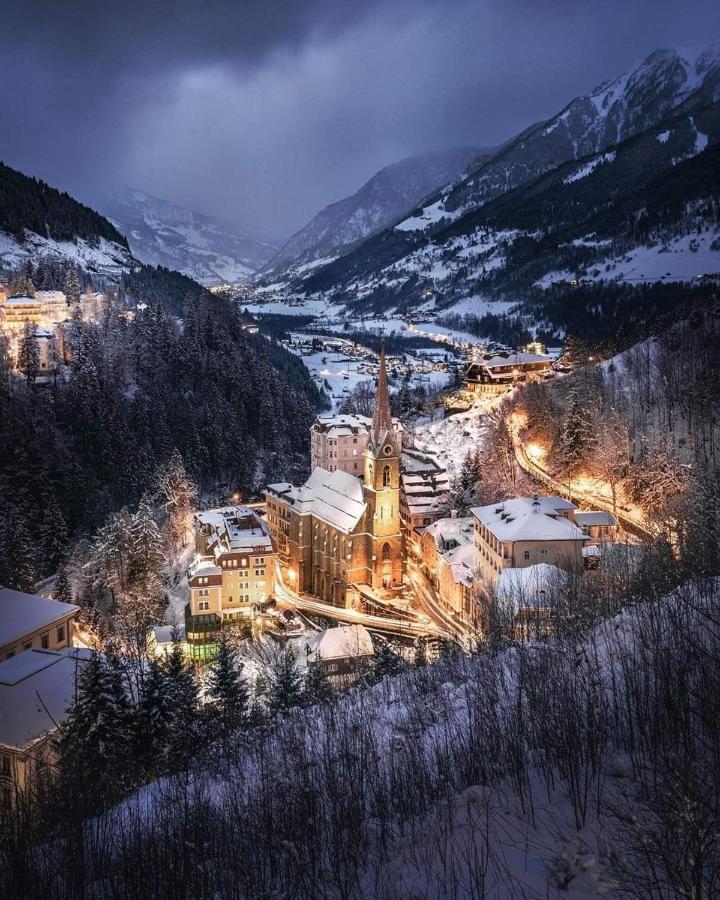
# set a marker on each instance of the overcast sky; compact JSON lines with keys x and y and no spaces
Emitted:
{"x":264,"y":111}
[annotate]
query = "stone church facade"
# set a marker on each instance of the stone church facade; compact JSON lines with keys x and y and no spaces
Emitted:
{"x":337,"y":532}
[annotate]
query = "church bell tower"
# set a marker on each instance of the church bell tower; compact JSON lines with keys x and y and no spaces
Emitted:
{"x":382,"y":493}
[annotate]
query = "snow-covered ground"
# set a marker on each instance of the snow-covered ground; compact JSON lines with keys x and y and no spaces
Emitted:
{"x":107,"y":258}
{"x":452,"y":437}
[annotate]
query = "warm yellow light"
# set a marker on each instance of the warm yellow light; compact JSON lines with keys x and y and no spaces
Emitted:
{"x":536,"y":451}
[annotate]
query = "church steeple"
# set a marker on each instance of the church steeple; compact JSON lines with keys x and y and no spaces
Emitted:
{"x":382,"y":417}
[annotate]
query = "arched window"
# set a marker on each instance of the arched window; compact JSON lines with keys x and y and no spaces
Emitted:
{"x":385,"y":552}
{"x":386,"y":476}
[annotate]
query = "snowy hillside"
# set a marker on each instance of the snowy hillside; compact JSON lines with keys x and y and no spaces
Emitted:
{"x":379,"y":202}
{"x":206,"y":249}
{"x":626,"y":172}
{"x":103,"y":257}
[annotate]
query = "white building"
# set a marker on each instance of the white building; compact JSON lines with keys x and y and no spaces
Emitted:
{"x":525,"y":598}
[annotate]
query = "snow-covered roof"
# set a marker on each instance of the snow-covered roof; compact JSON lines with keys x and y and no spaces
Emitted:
{"x":450,"y":532}
{"x":594,"y":517}
{"x":529,"y":519}
{"x":233,"y":528}
{"x":21,"y":613}
{"x":203,"y":565}
{"x":50,"y":296}
{"x":462,"y":563}
{"x":515,"y":359}
{"x":333,"y":497}
{"x":36,"y":688}
{"x":528,"y":586}
{"x":341,"y":642}
{"x":413,"y":461}
{"x":21,"y":301}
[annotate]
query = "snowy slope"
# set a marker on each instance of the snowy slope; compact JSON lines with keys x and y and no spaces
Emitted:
{"x":206,"y":249}
{"x":381,"y":200}
{"x":104,"y":258}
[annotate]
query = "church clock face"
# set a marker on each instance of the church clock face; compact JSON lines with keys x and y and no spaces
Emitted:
{"x":387,"y":450}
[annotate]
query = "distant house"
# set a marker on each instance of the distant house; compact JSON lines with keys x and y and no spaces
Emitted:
{"x":495,"y":375}
{"x":28,"y":621}
{"x":343,"y":652}
{"x":36,"y":690}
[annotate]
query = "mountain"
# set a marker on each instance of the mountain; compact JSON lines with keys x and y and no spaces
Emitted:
{"x":37,"y":220}
{"x":378,"y":203}
{"x":619,"y":172}
{"x":162,"y":233}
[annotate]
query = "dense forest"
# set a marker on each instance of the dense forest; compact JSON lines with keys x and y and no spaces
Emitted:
{"x":237,"y":406}
{"x":29,"y":203}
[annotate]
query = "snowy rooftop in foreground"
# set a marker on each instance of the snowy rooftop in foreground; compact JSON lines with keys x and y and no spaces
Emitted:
{"x":529,"y":519}
{"x":36,"y":688}
{"x":22,"y":614}
{"x":341,"y":642}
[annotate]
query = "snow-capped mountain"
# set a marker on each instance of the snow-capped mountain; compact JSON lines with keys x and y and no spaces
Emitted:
{"x":162,"y":233}
{"x":37,"y":221}
{"x":629,"y":170}
{"x":378,"y":203}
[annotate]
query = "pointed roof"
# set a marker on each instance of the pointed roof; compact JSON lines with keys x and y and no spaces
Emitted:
{"x":382,"y":417}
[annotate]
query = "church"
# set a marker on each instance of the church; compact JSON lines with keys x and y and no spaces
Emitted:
{"x":338,"y":532}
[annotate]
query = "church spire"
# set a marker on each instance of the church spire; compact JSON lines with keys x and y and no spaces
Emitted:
{"x":382,"y":417}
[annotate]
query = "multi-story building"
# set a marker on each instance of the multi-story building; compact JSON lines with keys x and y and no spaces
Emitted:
{"x":343,"y":652}
{"x":491,"y":377}
{"x":28,"y":621}
{"x":525,"y":531}
{"x":337,"y":443}
{"x":233,"y":568}
{"x":53,"y":307}
{"x":19,"y":312}
{"x":448,"y":560}
{"x":424,"y":490}
{"x":36,"y":689}
{"x":338,"y":532}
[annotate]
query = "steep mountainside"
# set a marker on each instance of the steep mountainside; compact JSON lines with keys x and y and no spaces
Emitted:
{"x":38,"y":220}
{"x":378,"y":203}
{"x":164,"y":234}
{"x":643,"y":209}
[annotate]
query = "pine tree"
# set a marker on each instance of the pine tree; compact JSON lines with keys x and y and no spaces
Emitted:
{"x":387,"y":663}
{"x":53,"y":532}
{"x":29,"y":354}
{"x":17,"y":558}
{"x":576,"y":439}
{"x":145,"y":542}
{"x":95,"y":735}
{"x":72,"y":286}
{"x":317,"y":688}
{"x":286,"y":686}
{"x":177,"y":494}
{"x":62,"y":589}
{"x":227,"y":691}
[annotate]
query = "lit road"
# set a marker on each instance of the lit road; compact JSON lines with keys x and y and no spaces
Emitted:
{"x":385,"y":625}
{"x":631,"y":520}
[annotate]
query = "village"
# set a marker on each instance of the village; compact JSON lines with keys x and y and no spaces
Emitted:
{"x":368,"y":552}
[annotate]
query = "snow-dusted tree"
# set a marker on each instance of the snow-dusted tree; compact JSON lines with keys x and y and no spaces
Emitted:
{"x":17,"y":556}
{"x":284,"y":679}
{"x":95,"y":737}
{"x":22,"y":286}
{"x":177,"y":494}
{"x":612,"y":452}
{"x":317,"y":687}
{"x":386,"y":663}
{"x":29,"y":354}
{"x":146,"y":542}
{"x":576,"y":441}
{"x":72,"y":286}
{"x":53,"y":532}
{"x":62,"y":589}
{"x":466,"y":487}
{"x":167,"y":720}
{"x":227,"y":690}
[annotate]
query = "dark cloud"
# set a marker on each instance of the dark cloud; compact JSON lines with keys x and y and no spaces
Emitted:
{"x":265,"y":111}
